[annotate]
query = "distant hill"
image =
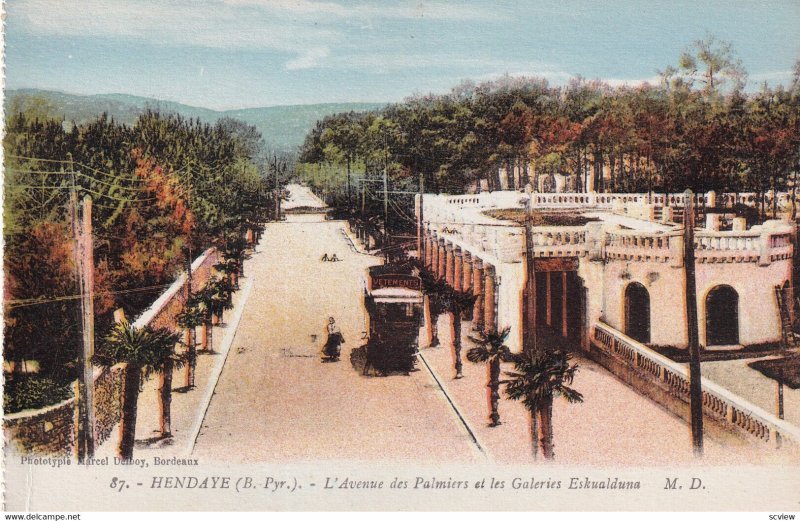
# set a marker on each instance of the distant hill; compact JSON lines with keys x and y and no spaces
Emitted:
{"x":283,"y":127}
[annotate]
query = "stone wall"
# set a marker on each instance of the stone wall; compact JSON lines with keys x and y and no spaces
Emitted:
{"x":107,"y":401}
{"x":46,"y":431}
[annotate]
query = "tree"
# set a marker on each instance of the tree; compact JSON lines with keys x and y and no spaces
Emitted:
{"x":537,"y":379}
{"x":144,"y":349}
{"x":456,"y":303}
{"x":434,"y":290}
{"x":491,"y":350}
{"x":192,"y":317}
{"x":220,"y":297}
{"x":711,"y":63}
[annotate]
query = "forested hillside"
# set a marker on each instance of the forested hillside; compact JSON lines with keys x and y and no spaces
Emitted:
{"x":283,"y":127}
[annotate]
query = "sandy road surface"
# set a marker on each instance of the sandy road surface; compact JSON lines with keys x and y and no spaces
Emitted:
{"x":275,"y":400}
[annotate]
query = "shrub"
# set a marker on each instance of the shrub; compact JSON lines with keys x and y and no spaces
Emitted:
{"x":33,"y":392}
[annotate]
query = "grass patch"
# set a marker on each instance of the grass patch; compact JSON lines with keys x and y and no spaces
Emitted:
{"x":520,"y":216}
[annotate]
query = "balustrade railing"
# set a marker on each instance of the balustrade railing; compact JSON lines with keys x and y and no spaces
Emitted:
{"x":718,"y":403}
{"x":642,"y":246}
{"x":556,"y":241}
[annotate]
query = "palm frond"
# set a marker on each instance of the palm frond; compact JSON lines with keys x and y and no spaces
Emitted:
{"x":479,"y":355}
{"x":541,"y":376}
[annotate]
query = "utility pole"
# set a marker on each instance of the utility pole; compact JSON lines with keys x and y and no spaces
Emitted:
{"x":192,"y":349}
{"x":385,"y":190}
{"x":695,"y":385}
{"x":349,"y":201}
{"x":529,"y":338}
{"x":420,"y":221}
{"x":84,"y":257}
{"x":530,"y":332}
{"x":277,"y":189}
{"x":363,"y":197}
{"x":80,"y":396}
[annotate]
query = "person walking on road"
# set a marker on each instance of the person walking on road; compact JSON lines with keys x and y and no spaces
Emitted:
{"x":332,"y":348}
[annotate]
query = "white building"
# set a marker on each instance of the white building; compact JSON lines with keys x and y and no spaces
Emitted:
{"x":625,"y":270}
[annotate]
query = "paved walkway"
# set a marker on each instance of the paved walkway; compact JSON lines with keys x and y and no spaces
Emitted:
{"x":614,"y":425}
{"x":276,"y":401}
{"x":301,"y":197}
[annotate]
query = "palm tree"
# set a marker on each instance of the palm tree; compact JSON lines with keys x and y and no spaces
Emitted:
{"x":434,"y":290}
{"x":205,"y":303}
{"x":235,"y":250}
{"x":491,"y":349}
{"x":455,"y":304}
{"x":221,"y":297}
{"x":192,"y":316}
{"x":145,"y":350}
{"x":539,"y":377}
{"x":230,"y":267}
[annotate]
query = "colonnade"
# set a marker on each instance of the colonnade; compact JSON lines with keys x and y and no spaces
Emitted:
{"x":464,"y":272}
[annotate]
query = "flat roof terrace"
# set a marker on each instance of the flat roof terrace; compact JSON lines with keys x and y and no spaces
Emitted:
{"x":549,"y":218}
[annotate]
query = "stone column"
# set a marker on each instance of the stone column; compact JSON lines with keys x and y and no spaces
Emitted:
{"x":458,"y":269}
{"x":477,"y":290}
{"x":488,"y":301}
{"x":427,"y":258}
{"x":449,"y":265}
{"x":434,"y":255}
{"x":466,"y":283}
{"x":441,"y":262}
{"x":564,"y":330}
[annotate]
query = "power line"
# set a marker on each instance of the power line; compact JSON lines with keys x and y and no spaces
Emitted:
{"x":81,"y":174}
{"x":71,"y":164}
{"x":35,"y":302}
{"x":82,"y":188}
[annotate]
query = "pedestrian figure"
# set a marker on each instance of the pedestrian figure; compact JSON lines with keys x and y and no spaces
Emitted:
{"x":335,"y":258}
{"x":332,"y":348}
{"x":325,"y":258}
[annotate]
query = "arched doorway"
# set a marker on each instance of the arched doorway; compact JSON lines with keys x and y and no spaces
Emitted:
{"x":722,"y":316}
{"x":637,"y":312}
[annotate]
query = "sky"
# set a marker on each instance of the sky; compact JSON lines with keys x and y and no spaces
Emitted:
{"x":225,"y":54}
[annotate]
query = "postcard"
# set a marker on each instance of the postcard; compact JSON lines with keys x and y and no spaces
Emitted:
{"x":365,"y":256}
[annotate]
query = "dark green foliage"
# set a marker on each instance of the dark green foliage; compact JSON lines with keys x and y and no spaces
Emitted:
{"x":192,"y":316}
{"x":490,"y":346}
{"x":164,"y":188}
{"x":145,"y":347}
{"x":32,"y":392}
{"x":542,"y":376}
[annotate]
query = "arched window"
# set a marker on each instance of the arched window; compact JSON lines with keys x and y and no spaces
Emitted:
{"x":637,"y":312}
{"x":722,"y":316}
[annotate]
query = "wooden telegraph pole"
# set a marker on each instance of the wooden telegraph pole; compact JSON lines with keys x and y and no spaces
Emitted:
{"x":84,"y":257}
{"x":420,"y":221}
{"x":277,"y":189}
{"x":695,"y":386}
{"x":529,"y":338}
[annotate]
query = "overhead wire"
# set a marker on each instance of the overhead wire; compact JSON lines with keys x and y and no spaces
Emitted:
{"x":38,"y":301}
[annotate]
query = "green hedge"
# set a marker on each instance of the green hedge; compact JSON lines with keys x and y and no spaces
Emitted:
{"x":33,"y":392}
